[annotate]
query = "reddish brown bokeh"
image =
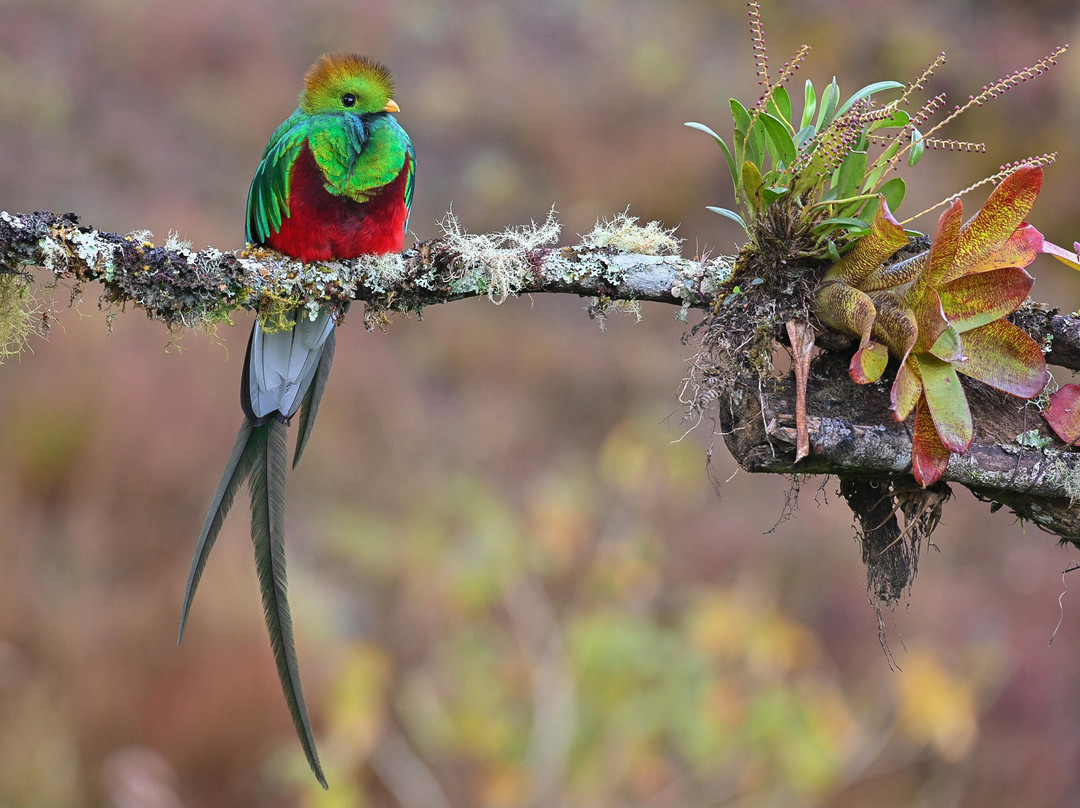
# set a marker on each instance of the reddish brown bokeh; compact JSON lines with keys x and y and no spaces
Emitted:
{"x":483,"y":475}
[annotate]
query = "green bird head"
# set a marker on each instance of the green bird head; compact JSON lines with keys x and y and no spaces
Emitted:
{"x":345,"y":82}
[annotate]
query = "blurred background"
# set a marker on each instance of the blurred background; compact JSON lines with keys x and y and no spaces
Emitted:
{"x":514,"y":578}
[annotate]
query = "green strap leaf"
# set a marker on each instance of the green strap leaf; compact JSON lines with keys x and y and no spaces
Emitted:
{"x":732,"y":166}
{"x":751,"y":184}
{"x":866,"y":92}
{"x":918,"y":147}
{"x":779,"y":139}
{"x":809,"y":105}
{"x":842,"y":221}
{"x":894,"y":191}
{"x":881,"y":165}
{"x":898,"y":119}
{"x":749,"y":139}
{"x":848,"y":178}
{"x":730,"y":214}
{"x":829,"y":100}
{"x":780,"y":105}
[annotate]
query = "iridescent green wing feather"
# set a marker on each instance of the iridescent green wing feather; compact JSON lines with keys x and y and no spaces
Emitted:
{"x":410,"y":182}
{"x":268,"y":198}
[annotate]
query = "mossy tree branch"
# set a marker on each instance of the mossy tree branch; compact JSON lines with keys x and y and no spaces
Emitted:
{"x":184,"y":288}
{"x":851,"y":434}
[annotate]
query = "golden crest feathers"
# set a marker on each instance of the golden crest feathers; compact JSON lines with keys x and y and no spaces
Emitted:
{"x":333,"y":69}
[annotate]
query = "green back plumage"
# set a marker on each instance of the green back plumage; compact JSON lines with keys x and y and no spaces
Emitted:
{"x":343,"y":112}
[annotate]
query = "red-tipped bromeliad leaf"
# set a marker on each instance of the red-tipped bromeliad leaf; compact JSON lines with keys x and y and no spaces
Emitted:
{"x":929,"y":457}
{"x":845,"y":308}
{"x":948,"y":346}
{"x":886,"y":236}
{"x":868,"y":363}
{"x":895,"y":324}
{"x":942,"y":253}
{"x":978,"y":299}
{"x":906,"y":390}
{"x":1063,"y":414}
{"x":996,"y":236}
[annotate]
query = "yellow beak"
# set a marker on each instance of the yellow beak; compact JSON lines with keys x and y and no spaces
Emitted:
{"x":391,"y":106}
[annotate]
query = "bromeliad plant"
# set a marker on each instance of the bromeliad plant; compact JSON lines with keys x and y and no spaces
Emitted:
{"x":942,"y":312}
{"x":816,"y":193}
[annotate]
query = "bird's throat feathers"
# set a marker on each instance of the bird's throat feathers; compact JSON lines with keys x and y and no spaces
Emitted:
{"x":336,"y":143}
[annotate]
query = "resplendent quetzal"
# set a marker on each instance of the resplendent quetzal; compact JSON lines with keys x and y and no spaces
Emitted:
{"x":336,"y":181}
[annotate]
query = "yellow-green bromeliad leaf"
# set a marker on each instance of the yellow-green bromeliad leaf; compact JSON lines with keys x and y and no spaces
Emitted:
{"x":947,"y":403}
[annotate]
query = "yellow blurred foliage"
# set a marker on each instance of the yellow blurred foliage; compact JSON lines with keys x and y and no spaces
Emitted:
{"x":937,"y":707}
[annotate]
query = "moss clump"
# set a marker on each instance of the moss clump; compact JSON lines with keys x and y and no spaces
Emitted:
{"x":17,"y":310}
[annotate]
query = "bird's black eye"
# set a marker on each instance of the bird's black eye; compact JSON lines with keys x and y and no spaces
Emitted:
{"x":348,"y":100}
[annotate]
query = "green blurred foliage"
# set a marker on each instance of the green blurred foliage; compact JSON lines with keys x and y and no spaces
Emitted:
{"x":512,"y":583}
